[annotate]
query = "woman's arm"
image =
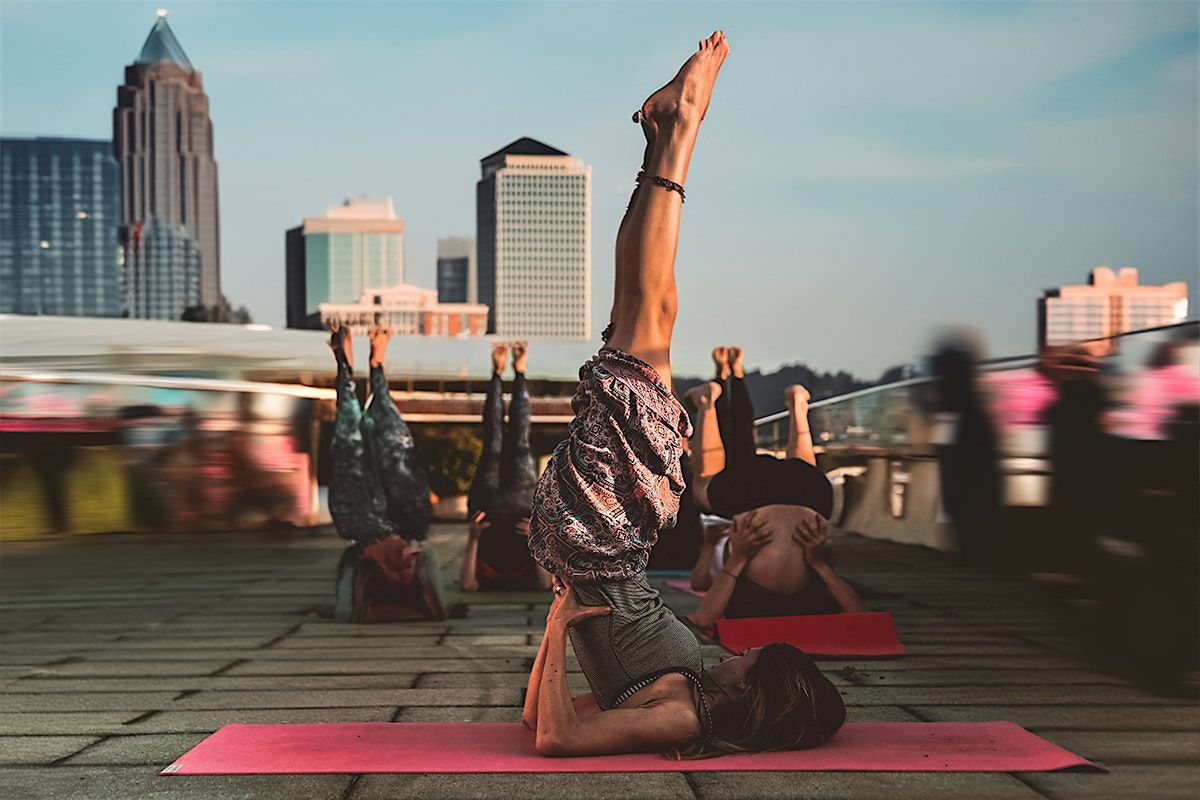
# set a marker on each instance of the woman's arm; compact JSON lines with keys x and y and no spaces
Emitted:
{"x":532,"y":690}
{"x":843,"y":592}
{"x":746,"y":537}
{"x":468,"y":573}
{"x":560,"y":729}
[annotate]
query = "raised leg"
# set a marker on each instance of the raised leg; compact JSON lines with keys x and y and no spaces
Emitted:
{"x":708,"y":451}
{"x":645,"y":304}
{"x":800,"y":443}
{"x":518,"y":472}
{"x":392,"y":449}
{"x":356,"y":500}
{"x":485,"y":486}
{"x":739,"y":432}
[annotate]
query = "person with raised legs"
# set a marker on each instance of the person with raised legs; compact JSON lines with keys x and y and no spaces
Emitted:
{"x":497,"y":550}
{"x":776,"y":560}
{"x":378,"y":498}
{"x":614,"y":483}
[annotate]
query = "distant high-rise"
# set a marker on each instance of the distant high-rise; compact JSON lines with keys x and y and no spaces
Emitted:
{"x":58,"y":228}
{"x":534,"y":238}
{"x":1110,"y":304}
{"x":163,"y":142}
{"x":456,"y":276}
{"x":335,"y":258}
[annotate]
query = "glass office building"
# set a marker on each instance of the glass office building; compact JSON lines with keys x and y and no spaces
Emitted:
{"x":456,"y":277}
{"x":58,"y":228}
{"x":336,"y":257}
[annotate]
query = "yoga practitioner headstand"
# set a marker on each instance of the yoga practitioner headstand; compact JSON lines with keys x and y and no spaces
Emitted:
{"x":497,"y":552}
{"x":614,"y":483}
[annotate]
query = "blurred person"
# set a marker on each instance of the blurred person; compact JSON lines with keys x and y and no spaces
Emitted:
{"x":615,"y":483}
{"x":378,"y":497}
{"x":969,"y":467}
{"x":1081,"y":459}
{"x":776,"y":561}
{"x":498,"y":505}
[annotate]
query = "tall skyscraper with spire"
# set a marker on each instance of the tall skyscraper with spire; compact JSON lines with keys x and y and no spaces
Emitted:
{"x":163,"y":142}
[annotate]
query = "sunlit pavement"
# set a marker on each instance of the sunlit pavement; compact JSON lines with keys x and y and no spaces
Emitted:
{"x":119,"y":653}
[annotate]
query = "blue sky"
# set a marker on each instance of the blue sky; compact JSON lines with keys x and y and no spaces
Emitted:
{"x":867,"y":172}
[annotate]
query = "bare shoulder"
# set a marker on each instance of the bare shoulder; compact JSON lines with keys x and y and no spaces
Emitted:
{"x":671,"y":698}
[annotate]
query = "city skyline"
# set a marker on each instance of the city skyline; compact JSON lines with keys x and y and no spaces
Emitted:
{"x":958,"y":160}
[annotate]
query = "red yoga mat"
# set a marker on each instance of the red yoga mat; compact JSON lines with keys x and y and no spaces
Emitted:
{"x":871,"y":633}
{"x":359,"y":747}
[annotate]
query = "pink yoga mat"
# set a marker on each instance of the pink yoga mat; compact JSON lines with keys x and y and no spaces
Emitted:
{"x":683,"y":585}
{"x":871,"y":633}
{"x":358,"y":747}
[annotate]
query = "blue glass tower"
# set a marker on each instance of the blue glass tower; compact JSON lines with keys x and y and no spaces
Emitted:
{"x":58,"y":228}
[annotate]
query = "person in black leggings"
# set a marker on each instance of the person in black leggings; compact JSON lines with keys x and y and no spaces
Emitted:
{"x":497,"y":552}
{"x":778,"y":504}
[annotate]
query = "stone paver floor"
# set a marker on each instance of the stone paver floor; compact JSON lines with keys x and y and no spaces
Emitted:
{"x":118,"y":653}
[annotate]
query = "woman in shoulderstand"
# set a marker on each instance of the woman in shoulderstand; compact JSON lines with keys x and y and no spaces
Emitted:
{"x":614,"y":483}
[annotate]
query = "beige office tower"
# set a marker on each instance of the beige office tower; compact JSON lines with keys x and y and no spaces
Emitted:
{"x":534,"y":243}
{"x":1109,"y":304}
{"x":163,"y":142}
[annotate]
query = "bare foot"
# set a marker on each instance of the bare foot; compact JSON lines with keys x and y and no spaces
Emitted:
{"x":499,"y":357}
{"x":720,"y":357}
{"x":378,"y":336}
{"x":685,"y":98}
{"x":340,"y":342}
{"x":702,"y":395}
{"x":797,"y":398}
{"x":520,"y":351}
{"x":735,"y":362}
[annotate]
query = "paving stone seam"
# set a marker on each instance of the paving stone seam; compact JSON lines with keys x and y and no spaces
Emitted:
{"x":85,"y":748}
{"x":231,"y":665}
{"x":281,"y":636}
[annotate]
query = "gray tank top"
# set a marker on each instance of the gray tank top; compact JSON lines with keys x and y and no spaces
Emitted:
{"x":641,"y":639}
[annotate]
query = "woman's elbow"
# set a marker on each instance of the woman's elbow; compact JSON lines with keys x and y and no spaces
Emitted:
{"x":550,"y":746}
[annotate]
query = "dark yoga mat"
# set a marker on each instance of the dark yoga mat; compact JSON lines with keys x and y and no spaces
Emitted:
{"x":871,"y":633}
{"x":442,"y":747}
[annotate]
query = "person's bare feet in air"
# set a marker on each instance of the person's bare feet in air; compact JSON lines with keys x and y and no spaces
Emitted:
{"x":378,"y":335}
{"x":735,"y":362}
{"x":702,"y":395}
{"x":520,"y":351}
{"x":797,"y":398}
{"x":499,"y":357}
{"x":340,"y":341}
{"x":685,"y":98}
{"x":720,"y":357}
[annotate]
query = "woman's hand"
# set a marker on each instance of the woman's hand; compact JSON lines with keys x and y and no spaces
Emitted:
{"x":522,"y":526}
{"x":565,"y":609}
{"x":750,"y":531}
{"x":478,"y":526}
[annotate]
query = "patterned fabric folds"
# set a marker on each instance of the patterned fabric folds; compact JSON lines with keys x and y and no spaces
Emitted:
{"x":615,"y":482}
